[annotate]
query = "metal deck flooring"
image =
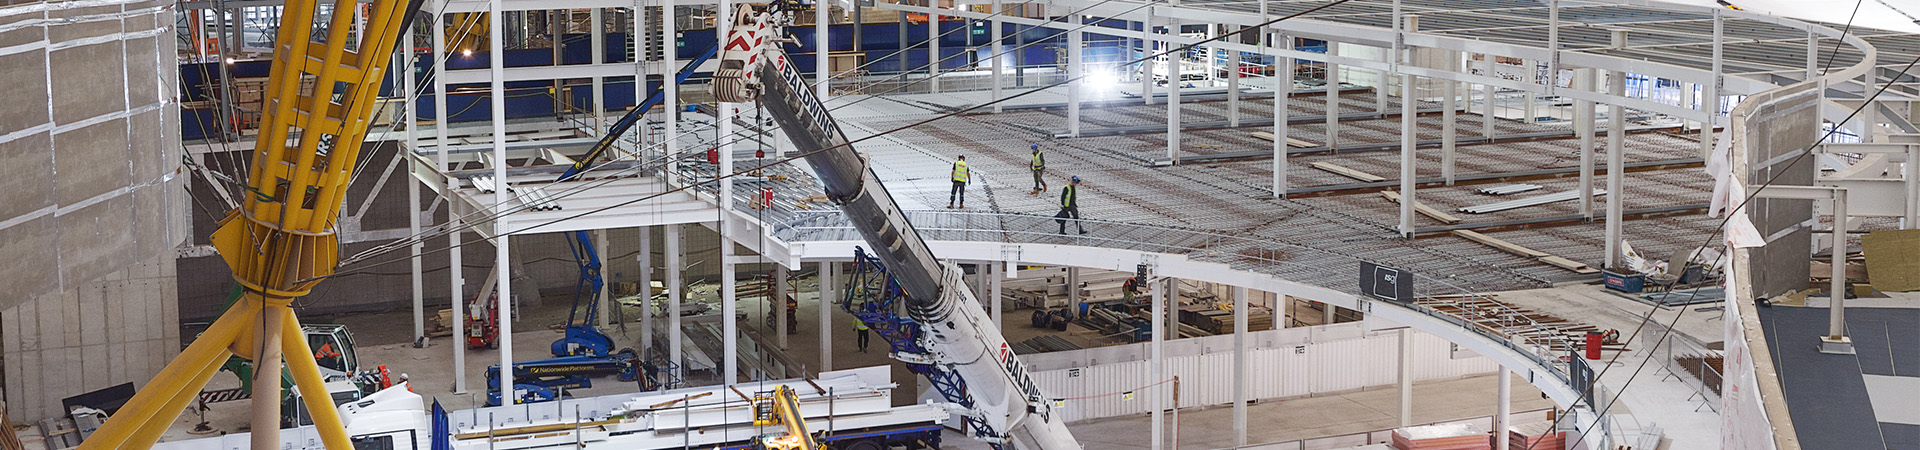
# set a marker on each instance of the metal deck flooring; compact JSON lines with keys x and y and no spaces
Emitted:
{"x":1221,"y":211}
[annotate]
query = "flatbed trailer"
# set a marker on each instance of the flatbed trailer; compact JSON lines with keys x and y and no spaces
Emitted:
{"x":848,"y":409}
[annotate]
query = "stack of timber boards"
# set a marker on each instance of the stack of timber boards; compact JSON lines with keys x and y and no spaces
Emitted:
{"x":1043,"y":344}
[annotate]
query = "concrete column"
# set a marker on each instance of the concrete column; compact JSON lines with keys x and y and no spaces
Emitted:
{"x":1156,"y":364}
{"x":409,"y":90}
{"x":1239,"y":365}
{"x":1503,"y":409}
{"x":1406,"y":377}
{"x":1333,"y":97}
{"x":604,"y":298}
{"x":669,"y":43}
{"x":1076,"y":67}
{"x":779,"y":300}
{"x":1282,"y":99}
{"x":676,"y":262}
{"x":1616,"y":166}
{"x":729,"y":307}
{"x":1328,"y":315}
{"x":1583,"y":125}
{"x":455,"y":274}
{"x":828,"y":289}
{"x":1408,"y":163}
{"x":1448,"y":126}
{"x":1174,"y":64}
{"x":998,"y":66}
{"x":646,"y":293}
{"x":504,"y":279}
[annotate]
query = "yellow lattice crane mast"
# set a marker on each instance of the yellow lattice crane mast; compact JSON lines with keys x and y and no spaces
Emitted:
{"x":280,"y":241}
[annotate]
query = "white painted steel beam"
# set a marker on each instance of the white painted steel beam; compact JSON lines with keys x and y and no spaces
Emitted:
{"x":1240,"y":365}
{"x":828,"y":280}
{"x":676,"y":262}
{"x":646,"y":291}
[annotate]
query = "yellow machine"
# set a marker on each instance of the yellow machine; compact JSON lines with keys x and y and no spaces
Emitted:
{"x":280,"y":241}
{"x":782,"y":408}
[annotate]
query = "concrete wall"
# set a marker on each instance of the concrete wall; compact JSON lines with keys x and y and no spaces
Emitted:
{"x":89,"y":141}
{"x":118,"y":329}
{"x":91,"y":207}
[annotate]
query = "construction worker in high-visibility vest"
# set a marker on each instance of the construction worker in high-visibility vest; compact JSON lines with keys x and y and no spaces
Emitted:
{"x":860,"y":334}
{"x":1039,"y":166}
{"x":1070,"y":207}
{"x":960,"y":177}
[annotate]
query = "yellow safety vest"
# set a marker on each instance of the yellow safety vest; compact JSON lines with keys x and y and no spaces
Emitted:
{"x":960,"y":171}
{"x":859,"y":325}
{"x":1067,"y":196}
{"x":1038,"y":161}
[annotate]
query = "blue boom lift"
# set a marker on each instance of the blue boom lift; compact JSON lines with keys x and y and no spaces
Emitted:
{"x":585,"y":352}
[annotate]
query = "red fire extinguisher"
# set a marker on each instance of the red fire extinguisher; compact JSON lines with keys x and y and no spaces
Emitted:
{"x":713,"y":156}
{"x":766,"y":197}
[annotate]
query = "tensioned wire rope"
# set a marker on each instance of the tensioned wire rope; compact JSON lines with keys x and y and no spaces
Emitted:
{"x":1731,"y":212}
{"x":1171,"y":50}
{"x":737,"y":138}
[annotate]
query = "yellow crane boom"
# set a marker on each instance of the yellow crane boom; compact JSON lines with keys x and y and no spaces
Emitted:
{"x":783,"y":409}
{"x":280,"y":241}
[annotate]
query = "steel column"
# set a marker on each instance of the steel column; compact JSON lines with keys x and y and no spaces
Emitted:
{"x":933,"y":52}
{"x":778,"y":301}
{"x":1616,"y":167}
{"x":1487,"y":115}
{"x":994,"y":297}
{"x":1405,"y":378}
{"x":1449,"y":117}
{"x":1333,"y":98}
{"x":1156,"y":363}
{"x":1239,"y":365}
{"x":676,"y":261}
{"x":1282,"y":103}
{"x":409,"y":90}
{"x":501,"y":256}
{"x":1233,"y":88}
{"x":826,"y":275}
{"x":1710,"y":100}
{"x":646,"y":291}
{"x":1076,"y":67}
{"x":670,"y":53}
{"x":604,"y":298}
{"x":456,"y":273}
{"x":1174,"y":78}
{"x":1583,"y":125}
{"x":1147,"y":48}
{"x":997,"y":65}
{"x":1503,"y":409}
{"x":1408,"y":163}
{"x":729,"y":306}
{"x":822,"y":71}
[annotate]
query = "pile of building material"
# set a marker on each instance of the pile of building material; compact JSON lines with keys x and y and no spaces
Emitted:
{"x":1117,"y":324}
{"x":1517,"y":249}
{"x":1536,"y":200}
{"x":1509,"y":189}
{"x":1043,"y":344}
{"x":1508,"y":321}
{"x":1219,"y":321}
